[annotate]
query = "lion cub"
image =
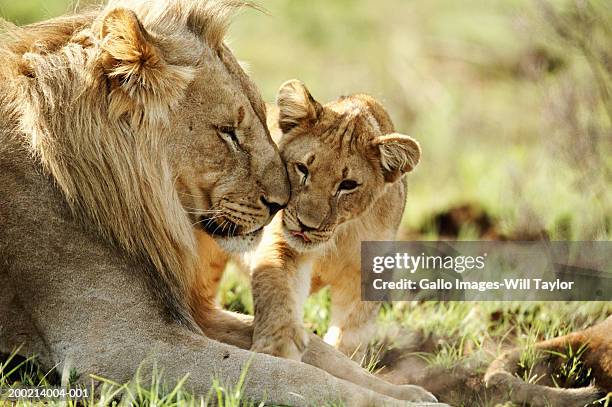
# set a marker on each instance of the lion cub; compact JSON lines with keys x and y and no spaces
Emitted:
{"x":346,"y":167}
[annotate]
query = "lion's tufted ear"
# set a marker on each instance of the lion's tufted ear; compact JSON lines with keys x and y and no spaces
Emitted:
{"x":296,"y":105}
{"x":129,"y":49}
{"x":399,"y":154}
{"x":141,"y":80}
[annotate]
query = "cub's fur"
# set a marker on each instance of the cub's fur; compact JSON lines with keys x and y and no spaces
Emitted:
{"x":346,"y":168}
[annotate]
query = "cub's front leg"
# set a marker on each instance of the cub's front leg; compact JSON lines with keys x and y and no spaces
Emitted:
{"x":279,"y":288}
{"x":353,"y":322}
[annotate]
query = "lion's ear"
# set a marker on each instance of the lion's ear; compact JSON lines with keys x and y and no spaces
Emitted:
{"x":296,"y":105}
{"x":399,"y":154}
{"x":131,"y":56}
{"x":136,"y":67}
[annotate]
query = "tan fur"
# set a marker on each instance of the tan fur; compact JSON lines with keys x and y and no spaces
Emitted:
{"x":502,"y":372}
{"x":121,"y":131}
{"x":351,"y":138}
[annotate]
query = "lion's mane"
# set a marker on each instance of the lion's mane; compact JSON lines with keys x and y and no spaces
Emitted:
{"x":112,"y":172}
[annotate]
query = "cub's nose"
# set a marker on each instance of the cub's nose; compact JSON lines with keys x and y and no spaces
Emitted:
{"x":304,"y":227}
{"x":273,"y":207}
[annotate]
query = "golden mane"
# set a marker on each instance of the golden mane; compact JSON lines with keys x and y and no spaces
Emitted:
{"x":56,"y":96}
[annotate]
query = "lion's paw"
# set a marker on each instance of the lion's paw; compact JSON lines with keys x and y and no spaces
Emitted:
{"x":415,"y":393}
{"x":288,"y":342}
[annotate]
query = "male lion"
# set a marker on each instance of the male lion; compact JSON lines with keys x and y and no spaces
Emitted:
{"x":119,"y":130}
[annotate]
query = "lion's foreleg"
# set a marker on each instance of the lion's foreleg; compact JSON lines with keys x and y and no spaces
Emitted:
{"x":236,"y":329}
{"x":228,"y":327}
{"x":181,"y":353}
{"x":275,"y":380}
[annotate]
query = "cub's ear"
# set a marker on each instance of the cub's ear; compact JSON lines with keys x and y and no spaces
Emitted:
{"x":136,"y":67}
{"x":296,"y":105}
{"x":399,"y":154}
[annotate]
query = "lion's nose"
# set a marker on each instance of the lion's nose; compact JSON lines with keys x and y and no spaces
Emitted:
{"x":272,"y":206}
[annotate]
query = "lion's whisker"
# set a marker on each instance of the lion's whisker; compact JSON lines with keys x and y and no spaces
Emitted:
{"x":222,"y":225}
{"x":207,"y":220}
{"x":192,"y":195}
{"x":202,"y":213}
{"x":203,"y":210}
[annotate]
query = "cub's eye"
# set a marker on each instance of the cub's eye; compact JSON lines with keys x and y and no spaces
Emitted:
{"x":347,"y":185}
{"x":302,"y":168}
{"x":229,"y":132}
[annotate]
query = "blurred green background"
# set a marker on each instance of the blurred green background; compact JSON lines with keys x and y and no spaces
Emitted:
{"x":511,"y":100}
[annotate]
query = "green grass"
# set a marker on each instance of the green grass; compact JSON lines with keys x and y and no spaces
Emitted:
{"x":573,"y":371}
{"x":153,"y":393}
{"x":106,"y":392}
{"x":463,"y":329}
{"x":530,"y":357}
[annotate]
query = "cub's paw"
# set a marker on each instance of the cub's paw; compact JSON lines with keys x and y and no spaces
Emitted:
{"x":288,"y":342}
{"x":415,"y":393}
